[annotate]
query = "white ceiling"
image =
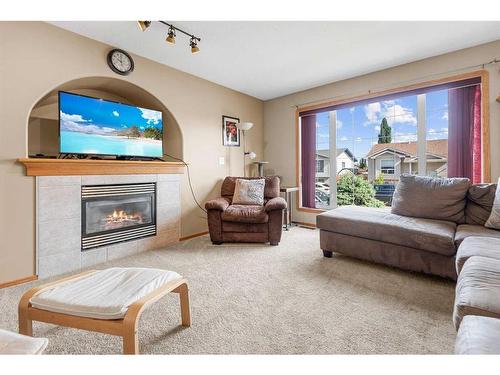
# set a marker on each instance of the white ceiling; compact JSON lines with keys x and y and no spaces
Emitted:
{"x":272,"y":59}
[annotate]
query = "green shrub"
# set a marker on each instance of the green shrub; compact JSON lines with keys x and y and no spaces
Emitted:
{"x":357,"y":191}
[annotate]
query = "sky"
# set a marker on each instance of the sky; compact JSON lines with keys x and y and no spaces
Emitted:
{"x":358,"y":127}
{"x":97,"y":116}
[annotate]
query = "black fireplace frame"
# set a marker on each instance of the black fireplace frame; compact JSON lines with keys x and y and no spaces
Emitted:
{"x":110,"y":231}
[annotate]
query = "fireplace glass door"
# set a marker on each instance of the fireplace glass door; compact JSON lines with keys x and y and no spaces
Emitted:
{"x":110,"y":214}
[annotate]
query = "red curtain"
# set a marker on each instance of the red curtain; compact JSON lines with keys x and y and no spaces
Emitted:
{"x":464,"y":133}
{"x":308,"y":159}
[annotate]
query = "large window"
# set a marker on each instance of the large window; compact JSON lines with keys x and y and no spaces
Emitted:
{"x":367,"y":145}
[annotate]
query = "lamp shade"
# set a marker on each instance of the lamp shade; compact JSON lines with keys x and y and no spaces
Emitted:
{"x":244,"y":125}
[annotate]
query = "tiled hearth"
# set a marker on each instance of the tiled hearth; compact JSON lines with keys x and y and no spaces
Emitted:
{"x":59,"y":221}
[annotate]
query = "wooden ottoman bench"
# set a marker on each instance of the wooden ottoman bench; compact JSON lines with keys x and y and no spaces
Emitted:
{"x":108,"y":301}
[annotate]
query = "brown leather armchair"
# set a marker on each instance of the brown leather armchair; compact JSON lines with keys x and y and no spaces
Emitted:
{"x":229,"y":222}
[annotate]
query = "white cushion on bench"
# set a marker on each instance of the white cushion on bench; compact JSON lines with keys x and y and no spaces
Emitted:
{"x":105,"y":294}
{"x":14,"y":343}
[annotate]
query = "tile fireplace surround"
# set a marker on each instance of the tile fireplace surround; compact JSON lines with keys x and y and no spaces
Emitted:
{"x":58,"y":221}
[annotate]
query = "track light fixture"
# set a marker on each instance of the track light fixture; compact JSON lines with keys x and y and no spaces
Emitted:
{"x":171,"y":34}
{"x":143,"y":25}
{"x":194,"y":46}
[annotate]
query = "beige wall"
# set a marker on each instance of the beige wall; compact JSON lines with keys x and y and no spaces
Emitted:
{"x":36,"y":57}
{"x":279,"y":133}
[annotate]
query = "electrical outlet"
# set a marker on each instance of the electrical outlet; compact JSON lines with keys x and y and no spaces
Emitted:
{"x":222,"y":160}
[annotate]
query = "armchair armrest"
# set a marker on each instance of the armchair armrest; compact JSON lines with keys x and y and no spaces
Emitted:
{"x":219,"y":204}
{"x":277,"y":203}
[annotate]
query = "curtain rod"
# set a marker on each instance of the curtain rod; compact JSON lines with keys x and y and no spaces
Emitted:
{"x":394,"y":85}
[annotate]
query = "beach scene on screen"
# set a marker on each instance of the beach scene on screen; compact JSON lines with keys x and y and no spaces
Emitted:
{"x":101,"y":127}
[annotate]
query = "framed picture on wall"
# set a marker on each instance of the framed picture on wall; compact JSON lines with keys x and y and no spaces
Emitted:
{"x":230,"y":133}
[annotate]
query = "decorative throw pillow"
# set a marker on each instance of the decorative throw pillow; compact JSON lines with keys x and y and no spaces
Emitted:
{"x":480,"y":200}
{"x":431,"y":198}
{"x":494,"y":219}
{"x":249,"y":191}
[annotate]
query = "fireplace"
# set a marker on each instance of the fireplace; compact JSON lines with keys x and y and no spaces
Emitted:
{"x":117,"y":213}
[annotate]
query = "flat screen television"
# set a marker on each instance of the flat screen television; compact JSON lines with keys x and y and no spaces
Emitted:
{"x":96,"y":126}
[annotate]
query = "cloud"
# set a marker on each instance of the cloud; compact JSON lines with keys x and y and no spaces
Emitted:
{"x":339,"y":124}
{"x":73,"y":126}
{"x":151,"y":116}
{"x":377,"y":128}
{"x":74,"y":118}
{"x":372,"y":112}
{"x":445,"y":116}
{"x":352,"y":109}
{"x":116,"y":113}
{"x":394,"y":113}
{"x":404,"y":137}
{"x":344,"y":138}
{"x":433,"y":134}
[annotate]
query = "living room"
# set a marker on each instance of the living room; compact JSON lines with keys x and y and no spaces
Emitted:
{"x":167,"y":192}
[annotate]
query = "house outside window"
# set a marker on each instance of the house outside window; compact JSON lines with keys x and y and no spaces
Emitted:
{"x":387,"y":166}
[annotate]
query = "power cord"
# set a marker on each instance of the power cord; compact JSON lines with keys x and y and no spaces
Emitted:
{"x":189,"y":182}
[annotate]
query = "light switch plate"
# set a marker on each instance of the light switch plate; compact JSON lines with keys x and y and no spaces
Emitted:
{"x":222,"y":160}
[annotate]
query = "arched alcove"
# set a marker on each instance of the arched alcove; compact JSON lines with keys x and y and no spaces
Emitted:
{"x":43,"y":127}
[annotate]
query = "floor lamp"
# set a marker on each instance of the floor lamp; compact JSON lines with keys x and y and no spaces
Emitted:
{"x":245,"y":126}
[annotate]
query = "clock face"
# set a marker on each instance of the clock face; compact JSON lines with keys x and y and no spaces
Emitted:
{"x":120,"y":62}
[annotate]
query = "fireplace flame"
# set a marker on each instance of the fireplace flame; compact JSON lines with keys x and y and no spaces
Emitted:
{"x":120,"y":216}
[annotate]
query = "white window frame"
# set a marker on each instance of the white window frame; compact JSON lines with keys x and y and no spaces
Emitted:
{"x":318,"y":163}
{"x":388,"y":168}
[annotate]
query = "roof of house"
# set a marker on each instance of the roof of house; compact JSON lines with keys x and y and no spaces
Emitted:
{"x":438,"y":147}
{"x":326,"y":153}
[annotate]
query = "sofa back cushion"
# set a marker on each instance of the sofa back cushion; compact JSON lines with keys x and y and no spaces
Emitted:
{"x":271,"y":186}
{"x":480,"y":199}
{"x":431,"y":198}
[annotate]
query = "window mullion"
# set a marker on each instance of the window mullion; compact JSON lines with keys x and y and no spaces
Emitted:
{"x":421,"y":136}
{"x":333,"y":157}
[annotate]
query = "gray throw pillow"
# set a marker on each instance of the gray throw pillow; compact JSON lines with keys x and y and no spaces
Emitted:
{"x":249,"y":191}
{"x":431,"y":198}
{"x":480,"y":200}
{"x":494,"y":219}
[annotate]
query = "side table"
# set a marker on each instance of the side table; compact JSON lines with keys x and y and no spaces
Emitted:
{"x":288,"y":192}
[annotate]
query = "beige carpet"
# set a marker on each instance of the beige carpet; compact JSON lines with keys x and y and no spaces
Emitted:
{"x":256,"y":299}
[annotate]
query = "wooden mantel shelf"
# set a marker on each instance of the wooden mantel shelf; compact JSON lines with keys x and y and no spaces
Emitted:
{"x":77,"y":167}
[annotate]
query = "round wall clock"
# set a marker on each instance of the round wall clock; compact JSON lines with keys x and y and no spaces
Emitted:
{"x":120,"y":62}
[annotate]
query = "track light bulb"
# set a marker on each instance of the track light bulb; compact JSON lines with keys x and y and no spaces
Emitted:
{"x":194,"y":46}
{"x":143,"y":25}
{"x":171,"y":35}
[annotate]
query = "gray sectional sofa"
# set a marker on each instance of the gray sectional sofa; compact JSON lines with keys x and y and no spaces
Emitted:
{"x":429,"y":219}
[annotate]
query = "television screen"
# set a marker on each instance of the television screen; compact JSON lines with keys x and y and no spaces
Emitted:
{"x":100,"y":127}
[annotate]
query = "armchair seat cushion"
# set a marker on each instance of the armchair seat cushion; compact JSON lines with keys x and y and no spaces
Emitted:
{"x":239,"y":213}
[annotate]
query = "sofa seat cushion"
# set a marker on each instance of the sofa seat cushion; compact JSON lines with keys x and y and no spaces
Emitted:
{"x":478,"y":335}
{"x":468,"y":230}
{"x":477,"y":246}
{"x":105,"y":294}
{"x":14,"y":343}
{"x":478,"y":289}
{"x":381,"y":225}
{"x":240,"y":213}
